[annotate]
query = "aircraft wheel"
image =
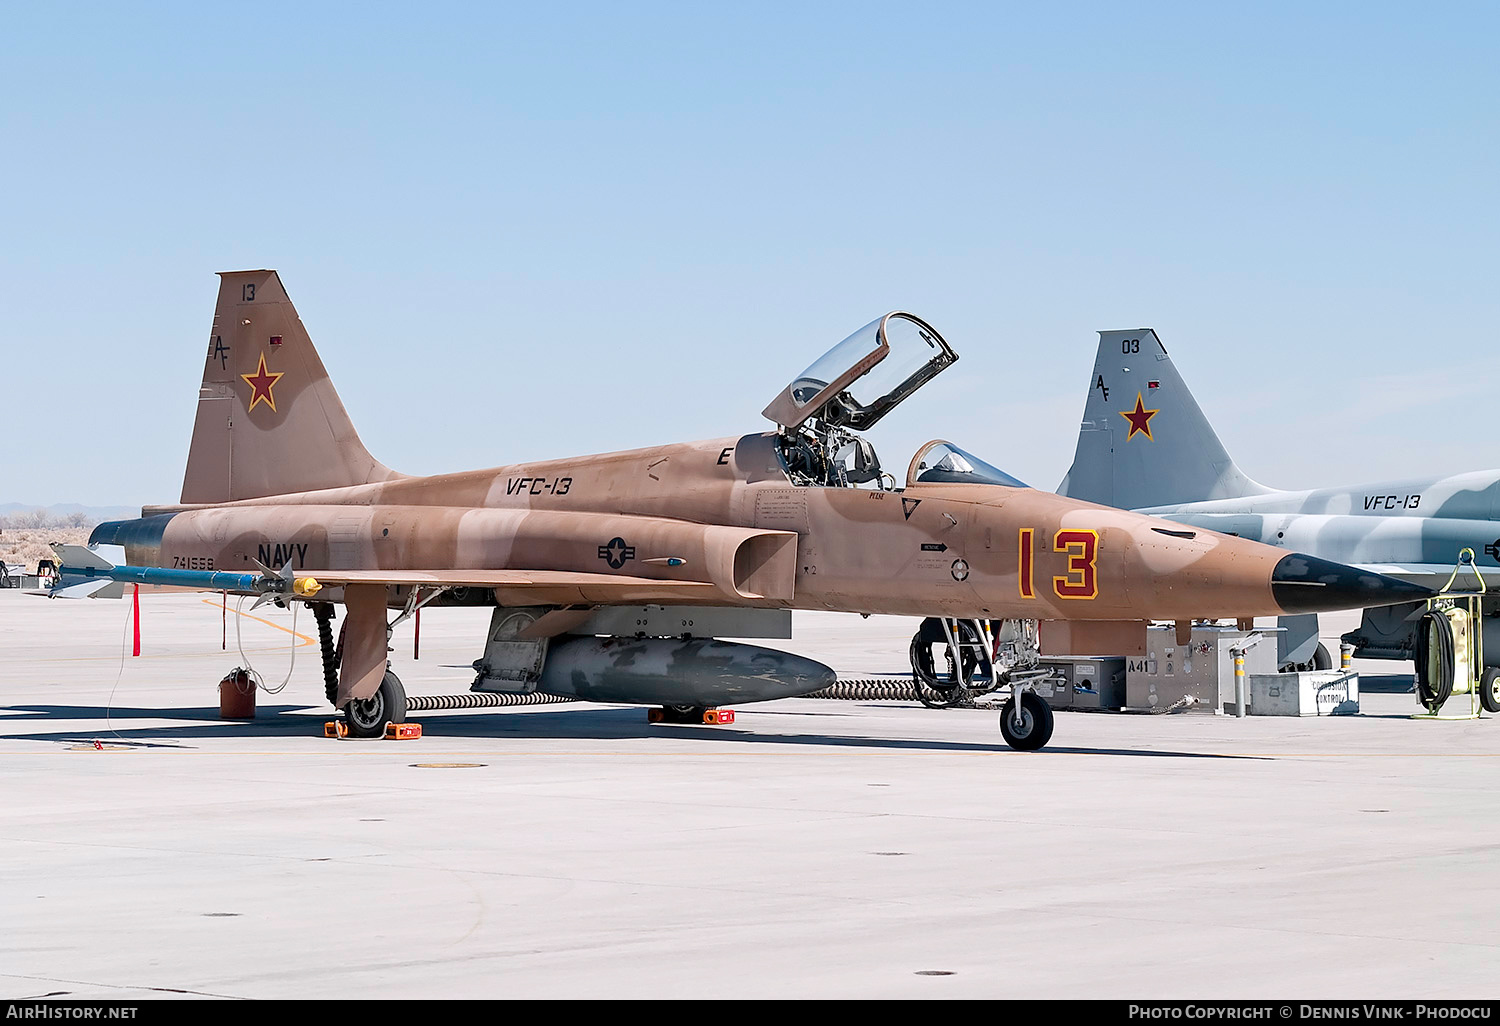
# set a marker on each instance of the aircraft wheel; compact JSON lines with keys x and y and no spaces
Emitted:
{"x":1320,"y":660}
{"x":1489,"y":689}
{"x":1035,"y":729}
{"x":368,"y":717}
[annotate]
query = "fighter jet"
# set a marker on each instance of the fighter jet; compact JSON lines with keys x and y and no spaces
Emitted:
{"x":1145,"y":445}
{"x":612,"y":577}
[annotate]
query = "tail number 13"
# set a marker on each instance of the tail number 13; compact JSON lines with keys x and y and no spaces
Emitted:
{"x":1082,"y":579}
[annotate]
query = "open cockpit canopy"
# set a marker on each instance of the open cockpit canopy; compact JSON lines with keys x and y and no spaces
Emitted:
{"x":848,"y":390}
{"x":864,"y":377}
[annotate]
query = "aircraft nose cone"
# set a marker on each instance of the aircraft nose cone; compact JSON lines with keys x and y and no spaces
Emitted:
{"x":1306,"y":584}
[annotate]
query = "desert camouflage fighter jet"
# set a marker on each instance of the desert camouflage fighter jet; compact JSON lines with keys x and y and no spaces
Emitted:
{"x":1145,"y":445}
{"x":612,"y":576}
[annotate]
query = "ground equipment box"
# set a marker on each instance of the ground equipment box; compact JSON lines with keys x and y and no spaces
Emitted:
{"x":1084,"y":682}
{"x":1196,"y":677}
{"x":1318,"y":693}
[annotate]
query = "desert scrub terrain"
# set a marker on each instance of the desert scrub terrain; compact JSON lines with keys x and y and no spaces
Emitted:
{"x":26,"y":537}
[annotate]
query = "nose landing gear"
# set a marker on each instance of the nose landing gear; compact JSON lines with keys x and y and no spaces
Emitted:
{"x":981,"y":656}
{"x":363,"y":717}
{"x":1028,"y":726}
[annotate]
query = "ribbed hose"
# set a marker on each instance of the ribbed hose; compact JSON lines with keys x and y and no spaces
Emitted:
{"x":480,"y":700}
{"x":1434,"y":693}
{"x":868,"y":689}
{"x":323,"y":613}
{"x":871,"y":689}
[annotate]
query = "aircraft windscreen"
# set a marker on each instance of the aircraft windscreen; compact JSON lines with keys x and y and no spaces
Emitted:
{"x":946,"y":463}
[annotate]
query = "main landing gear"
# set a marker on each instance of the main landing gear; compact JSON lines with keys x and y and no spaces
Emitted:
{"x":368,"y":717}
{"x":364,"y":717}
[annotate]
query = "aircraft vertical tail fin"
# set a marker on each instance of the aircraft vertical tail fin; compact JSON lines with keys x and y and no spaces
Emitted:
{"x":269,"y":421}
{"x":1144,"y":441}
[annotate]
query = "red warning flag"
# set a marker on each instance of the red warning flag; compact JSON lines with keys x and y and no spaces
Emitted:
{"x":135,"y":611}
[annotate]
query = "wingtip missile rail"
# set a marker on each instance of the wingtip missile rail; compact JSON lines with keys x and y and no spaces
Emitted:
{"x":86,"y":571}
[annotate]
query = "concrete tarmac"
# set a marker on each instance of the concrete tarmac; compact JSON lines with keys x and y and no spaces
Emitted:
{"x":812,"y":849}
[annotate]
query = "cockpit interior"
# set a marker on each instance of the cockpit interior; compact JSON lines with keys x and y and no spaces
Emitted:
{"x":850,"y":388}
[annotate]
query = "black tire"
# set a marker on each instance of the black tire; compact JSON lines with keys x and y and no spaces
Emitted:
{"x":368,"y":717}
{"x":1320,"y":660}
{"x":1489,"y":689}
{"x":1036,"y":723}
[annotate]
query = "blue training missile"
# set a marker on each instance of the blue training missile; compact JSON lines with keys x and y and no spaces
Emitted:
{"x":83,"y":571}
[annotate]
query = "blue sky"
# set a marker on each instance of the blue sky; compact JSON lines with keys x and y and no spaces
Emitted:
{"x":530,"y":231}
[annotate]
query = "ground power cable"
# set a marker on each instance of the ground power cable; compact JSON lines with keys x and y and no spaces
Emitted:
{"x":254,"y":675}
{"x":131,"y":611}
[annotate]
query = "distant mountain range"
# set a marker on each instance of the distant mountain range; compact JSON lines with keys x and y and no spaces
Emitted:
{"x":63,"y":509}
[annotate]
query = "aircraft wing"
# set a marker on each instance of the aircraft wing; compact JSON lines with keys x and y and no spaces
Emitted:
{"x":1434,"y":575}
{"x":532,"y":587}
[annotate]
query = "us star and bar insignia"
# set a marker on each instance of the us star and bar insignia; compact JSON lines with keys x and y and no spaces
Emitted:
{"x":616,"y":553}
{"x":261,"y":383}
{"x":1140,"y":419}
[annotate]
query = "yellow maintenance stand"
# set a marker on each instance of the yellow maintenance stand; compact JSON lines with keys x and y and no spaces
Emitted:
{"x":1450,"y":649}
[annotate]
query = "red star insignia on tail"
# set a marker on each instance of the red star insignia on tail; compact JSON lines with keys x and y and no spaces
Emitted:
{"x":262,"y":381}
{"x":1140,"y":419}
